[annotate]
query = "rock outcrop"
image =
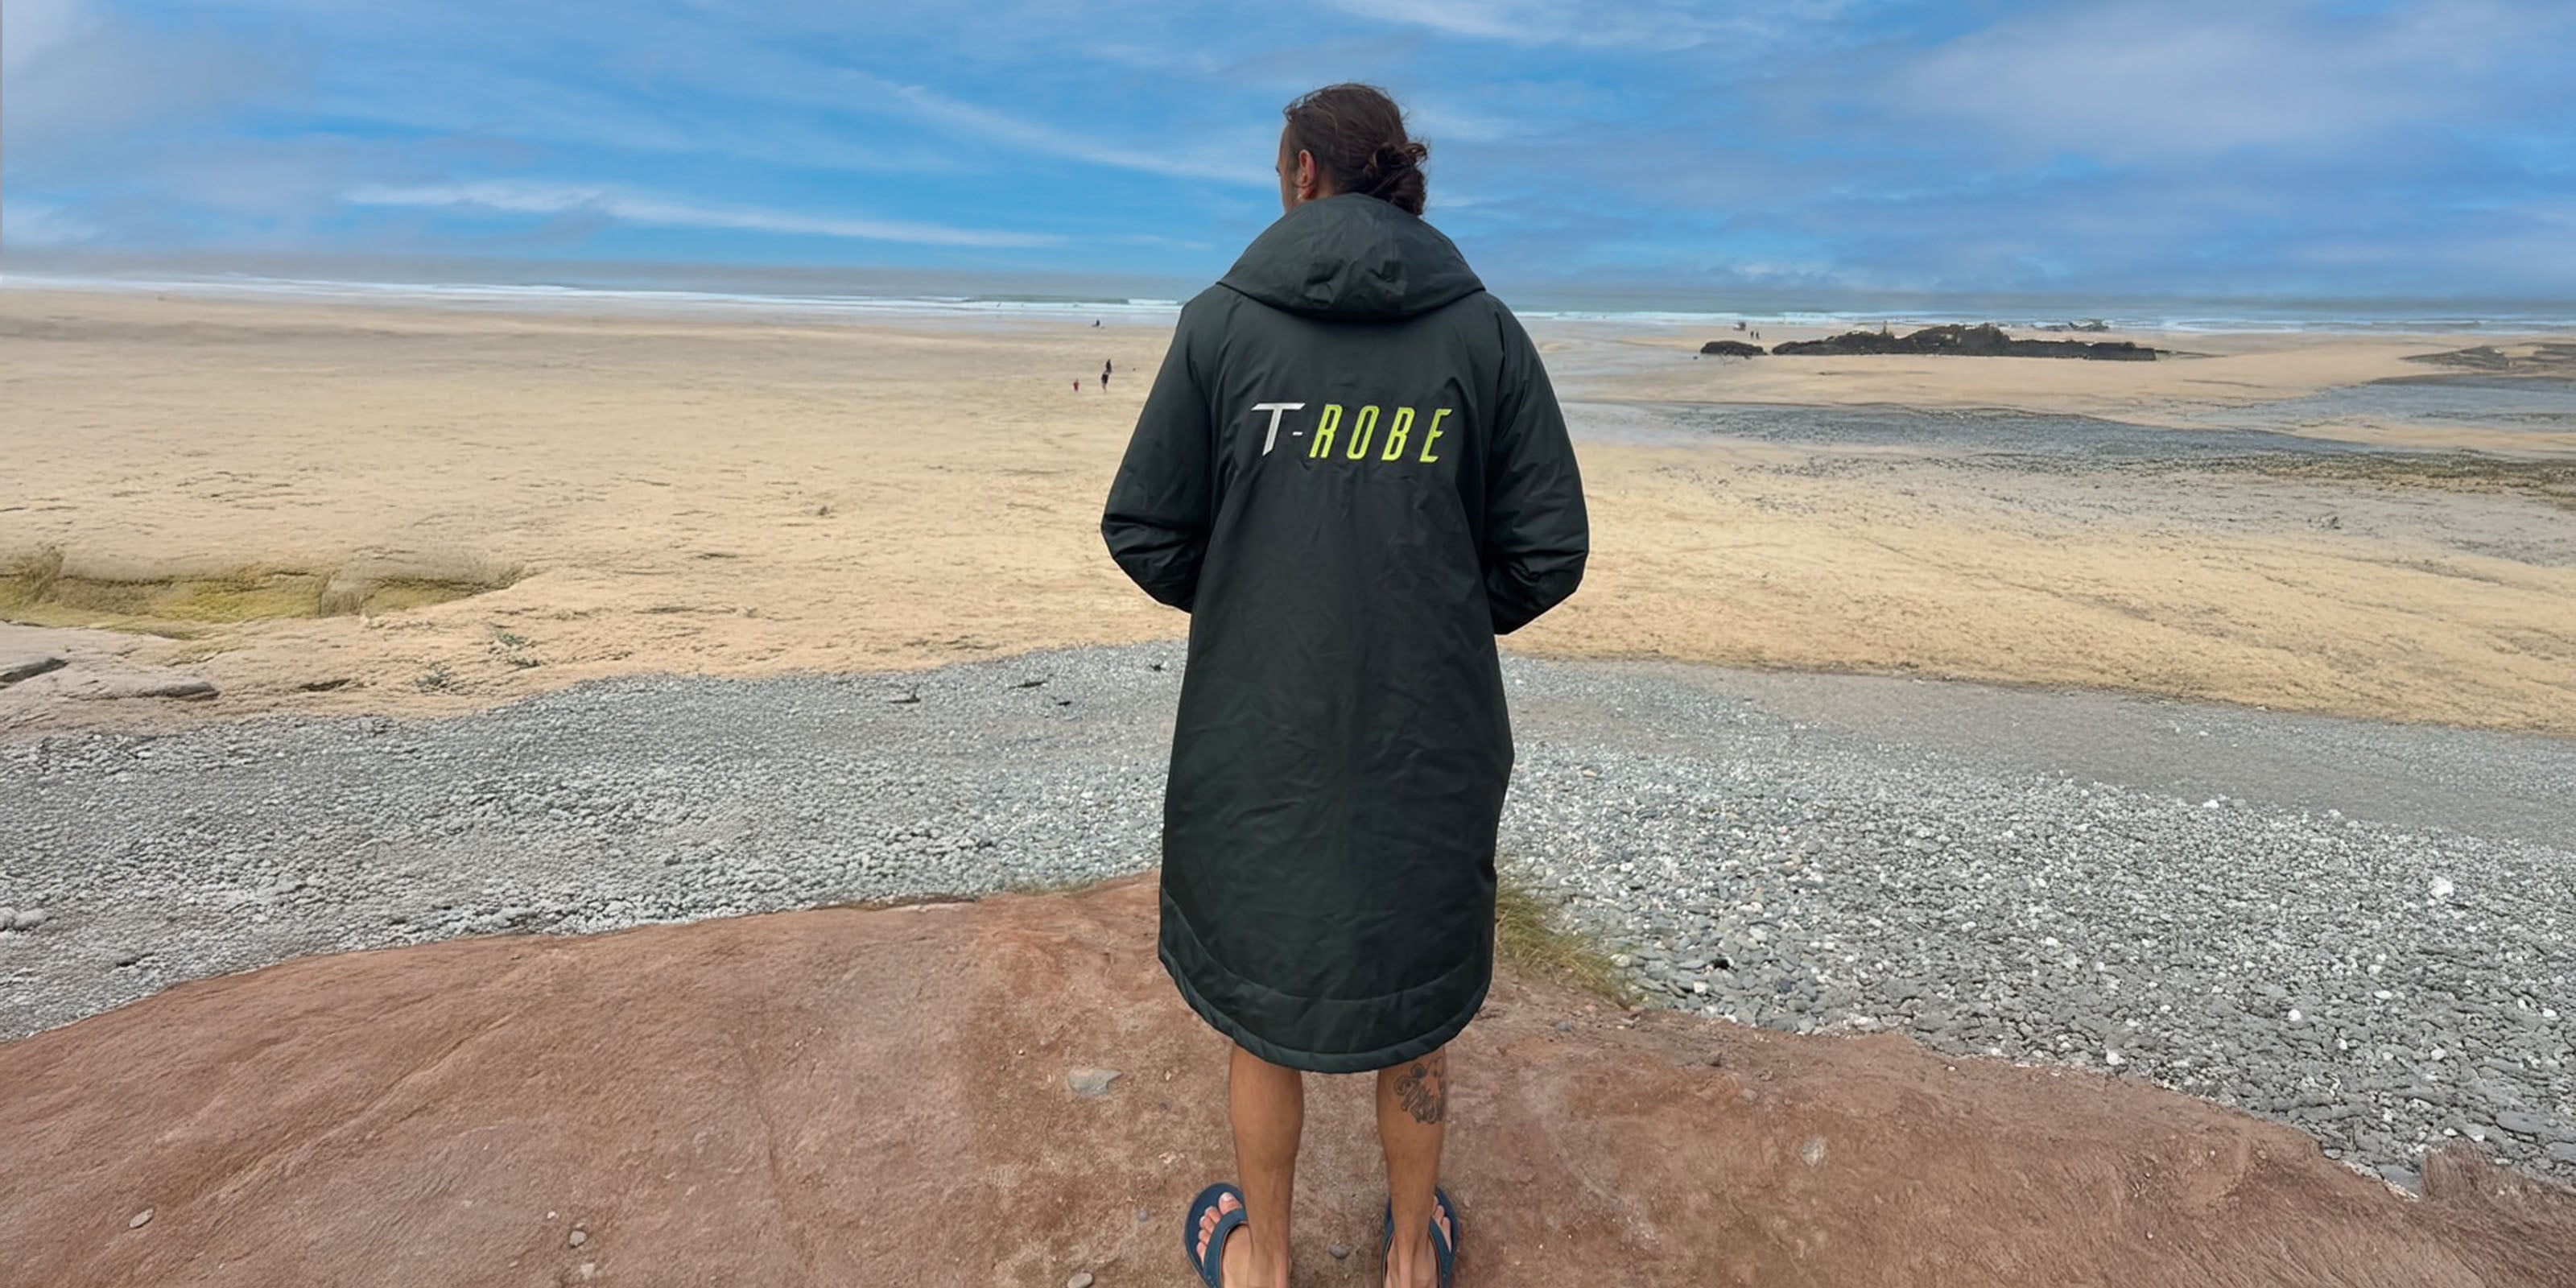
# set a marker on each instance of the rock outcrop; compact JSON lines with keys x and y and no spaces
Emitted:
{"x":1010,"y":1092}
{"x":1731,"y":349}
{"x":1982,"y":341}
{"x":2547,"y":360}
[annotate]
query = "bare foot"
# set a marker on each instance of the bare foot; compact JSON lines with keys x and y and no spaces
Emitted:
{"x":1233,"y":1269}
{"x":1426,"y":1268}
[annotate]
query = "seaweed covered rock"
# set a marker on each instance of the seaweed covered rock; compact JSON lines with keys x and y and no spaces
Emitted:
{"x":1985,"y":340}
{"x":1731,"y":349}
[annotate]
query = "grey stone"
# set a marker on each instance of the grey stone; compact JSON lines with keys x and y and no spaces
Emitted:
{"x":1078,"y":1279}
{"x":28,"y":667}
{"x":187,"y":688}
{"x":1091,"y":1082}
{"x":2520,"y":1123}
{"x":578,"y":1237}
{"x":139,"y":1220}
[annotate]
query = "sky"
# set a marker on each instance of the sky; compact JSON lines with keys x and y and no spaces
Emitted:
{"x":2139,"y":148}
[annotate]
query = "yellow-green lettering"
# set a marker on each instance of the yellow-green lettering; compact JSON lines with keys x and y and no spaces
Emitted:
{"x":1398,"y":430}
{"x":1324,"y":427}
{"x":1362,"y":430}
{"x":1431,"y":434}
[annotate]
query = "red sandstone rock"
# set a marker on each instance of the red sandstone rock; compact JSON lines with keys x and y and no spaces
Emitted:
{"x":880,"y":1096}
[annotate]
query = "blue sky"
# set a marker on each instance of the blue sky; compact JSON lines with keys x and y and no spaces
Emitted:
{"x":2145,"y":147}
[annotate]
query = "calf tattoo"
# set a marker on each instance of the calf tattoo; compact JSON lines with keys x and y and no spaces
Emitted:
{"x":1424,"y":1088}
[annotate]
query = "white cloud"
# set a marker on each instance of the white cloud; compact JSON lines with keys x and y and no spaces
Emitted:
{"x":1489,"y":21}
{"x":71,"y":70}
{"x":1253,"y":169}
{"x":1663,"y":24}
{"x":2123,"y":81}
{"x":510,"y":196}
{"x":1442,"y":120}
{"x":31,"y":29}
{"x":37,"y":223}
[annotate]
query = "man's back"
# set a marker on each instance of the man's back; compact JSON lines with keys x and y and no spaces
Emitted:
{"x":1384,"y":483}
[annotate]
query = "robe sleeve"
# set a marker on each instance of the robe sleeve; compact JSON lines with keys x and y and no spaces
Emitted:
{"x":1536,"y":533}
{"x":1163,"y":500}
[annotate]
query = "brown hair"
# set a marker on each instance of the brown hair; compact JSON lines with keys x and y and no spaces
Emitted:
{"x":1356,"y":135}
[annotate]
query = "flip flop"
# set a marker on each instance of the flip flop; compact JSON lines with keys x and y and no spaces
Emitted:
{"x":1446,"y":1249}
{"x":1212,"y":1267}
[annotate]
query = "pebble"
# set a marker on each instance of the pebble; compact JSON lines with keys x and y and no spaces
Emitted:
{"x":579,"y":1237}
{"x":153,"y":684}
{"x":25,"y":667}
{"x":1079,"y":1279}
{"x":1828,"y":879}
{"x":1091,"y":1082}
{"x":139,"y":1219}
{"x":1340,"y":1251}
{"x":2522,"y":1124}
{"x":1813,"y":1151}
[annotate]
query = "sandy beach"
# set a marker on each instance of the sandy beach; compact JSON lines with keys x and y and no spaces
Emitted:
{"x":497,"y":502}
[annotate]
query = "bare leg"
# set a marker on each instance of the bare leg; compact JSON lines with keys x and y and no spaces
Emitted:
{"x":1269,"y":1106}
{"x":1412,"y":1117}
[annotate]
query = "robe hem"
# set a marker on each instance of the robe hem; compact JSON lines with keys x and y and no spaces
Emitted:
{"x":1413,"y":1048}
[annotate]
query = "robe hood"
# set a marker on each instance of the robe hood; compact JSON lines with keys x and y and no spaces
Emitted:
{"x":1352,"y":257}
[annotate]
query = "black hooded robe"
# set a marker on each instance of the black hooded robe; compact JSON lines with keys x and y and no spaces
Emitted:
{"x":1352,"y":473}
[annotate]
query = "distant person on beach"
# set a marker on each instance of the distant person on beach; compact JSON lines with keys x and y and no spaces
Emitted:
{"x":1352,"y":473}
{"x":1104,"y":375}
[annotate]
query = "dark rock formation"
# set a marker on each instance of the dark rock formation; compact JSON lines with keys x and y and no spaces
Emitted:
{"x":2549,"y":360}
{"x":1983,"y":341}
{"x":1727,"y":349}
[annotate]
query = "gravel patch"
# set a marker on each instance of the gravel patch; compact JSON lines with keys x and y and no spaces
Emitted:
{"x":2382,"y":984}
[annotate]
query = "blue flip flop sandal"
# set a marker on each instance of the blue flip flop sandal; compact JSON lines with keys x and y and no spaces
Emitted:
{"x":1446,"y":1249}
{"x":1212,"y":1267}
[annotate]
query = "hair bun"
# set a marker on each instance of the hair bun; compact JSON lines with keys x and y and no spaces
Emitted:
{"x":1357,"y":136}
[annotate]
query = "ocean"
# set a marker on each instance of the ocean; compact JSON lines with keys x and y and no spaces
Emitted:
{"x":850,"y":292}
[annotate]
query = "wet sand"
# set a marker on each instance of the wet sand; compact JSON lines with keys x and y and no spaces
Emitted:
{"x":737,"y":494}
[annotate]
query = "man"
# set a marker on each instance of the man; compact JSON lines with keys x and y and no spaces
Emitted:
{"x":1352,"y":472}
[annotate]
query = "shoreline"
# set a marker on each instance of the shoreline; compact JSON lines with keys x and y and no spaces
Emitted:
{"x":2069,"y":319}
